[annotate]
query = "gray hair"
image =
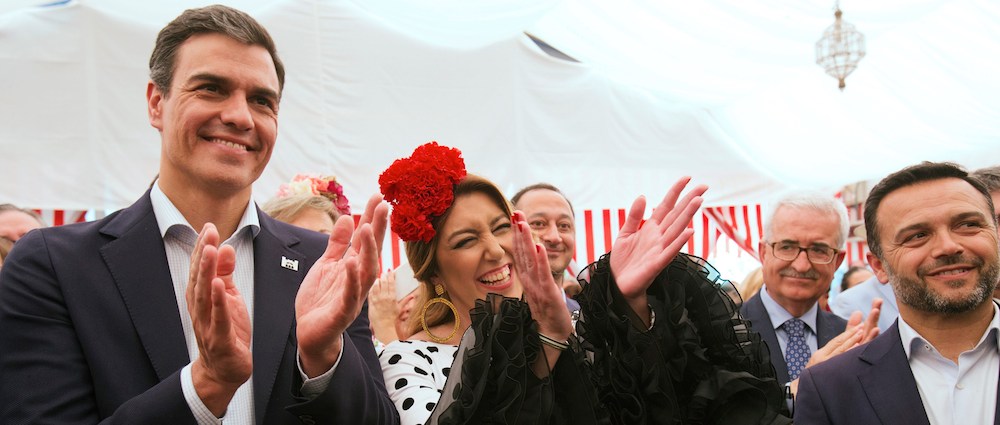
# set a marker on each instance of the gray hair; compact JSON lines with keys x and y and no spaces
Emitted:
{"x":287,"y":208}
{"x":812,"y":201}
{"x":990,"y":176}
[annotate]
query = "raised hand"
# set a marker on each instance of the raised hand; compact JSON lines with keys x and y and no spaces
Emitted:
{"x":871,"y":330}
{"x":333,"y":292}
{"x":544,"y":297}
{"x":854,"y":334}
{"x":382,"y":308}
{"x":220,"y":321}
{"x":376,"y":214}
{"x":641,"y":252}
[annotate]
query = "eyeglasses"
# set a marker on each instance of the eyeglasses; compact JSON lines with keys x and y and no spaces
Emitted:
{"x":817,"y":254}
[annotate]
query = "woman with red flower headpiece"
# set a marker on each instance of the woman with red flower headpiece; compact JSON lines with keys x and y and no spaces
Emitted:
{"x":655,"y":341}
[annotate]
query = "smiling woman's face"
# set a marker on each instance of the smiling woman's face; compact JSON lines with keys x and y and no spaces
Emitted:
{"x":474,"y":253}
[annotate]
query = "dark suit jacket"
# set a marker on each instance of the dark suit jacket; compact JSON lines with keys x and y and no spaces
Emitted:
{"x":870,"y":384}
{"x":90,"y":331}
{"x":828,"y":326}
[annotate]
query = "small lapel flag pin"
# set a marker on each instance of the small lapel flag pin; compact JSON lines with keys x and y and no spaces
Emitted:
{"x":292,"y":265}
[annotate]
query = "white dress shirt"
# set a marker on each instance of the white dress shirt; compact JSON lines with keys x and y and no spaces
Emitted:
{"x":178,"y":240}
{"x":954,"y":394}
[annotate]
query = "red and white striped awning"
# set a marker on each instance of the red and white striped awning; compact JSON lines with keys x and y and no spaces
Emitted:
{"x":596,"y":232}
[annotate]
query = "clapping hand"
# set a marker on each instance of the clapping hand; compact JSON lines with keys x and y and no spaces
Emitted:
{"x":334,"y":290}
{"x":383,"y":308}
{"x":855,"y":334}
{"x":220,"y":322}
{"x":643,"y":250}
{"x":544,"y":297}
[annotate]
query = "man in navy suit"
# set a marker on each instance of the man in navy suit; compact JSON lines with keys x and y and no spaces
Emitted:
{"x":802,"y":247}
{"x":191,"y":306}
{"x":932,"y":233}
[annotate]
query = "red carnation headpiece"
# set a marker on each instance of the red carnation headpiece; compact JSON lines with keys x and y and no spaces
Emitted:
{"x":421,"y":188}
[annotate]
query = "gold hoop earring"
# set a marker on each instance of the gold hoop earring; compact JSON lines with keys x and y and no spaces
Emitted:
{"x":439,"y":290}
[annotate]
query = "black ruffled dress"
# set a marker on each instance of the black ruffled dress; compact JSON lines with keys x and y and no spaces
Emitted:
{"x":698,"y":364}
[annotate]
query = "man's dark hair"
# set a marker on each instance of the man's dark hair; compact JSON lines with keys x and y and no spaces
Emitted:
{"x":541,"y":186}
{"x":925,"y":171}
{"x":11,"y":207}
{"x":215,"y":19}
{"x":847,"y":276}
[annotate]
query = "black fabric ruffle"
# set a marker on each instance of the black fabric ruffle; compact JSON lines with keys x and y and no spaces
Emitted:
{"x":496,"y":384}
{"x":700,"y":364}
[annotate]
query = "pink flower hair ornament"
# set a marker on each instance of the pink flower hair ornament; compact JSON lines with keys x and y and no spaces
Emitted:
{"x":314,"y":184}
{"x":421,"y":188}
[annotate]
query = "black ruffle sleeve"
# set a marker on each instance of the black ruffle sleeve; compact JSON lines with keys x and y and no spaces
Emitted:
{"x":495,"y":383}
{"x":699,"y":364}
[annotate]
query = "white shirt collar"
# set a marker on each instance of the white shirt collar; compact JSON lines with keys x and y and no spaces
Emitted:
{"x":167,"y":215}
{"x":911,"y":338}
{"x":779,"y":315}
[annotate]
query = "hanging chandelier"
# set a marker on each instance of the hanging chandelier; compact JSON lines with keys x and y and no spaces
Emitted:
{"x":840,"y":49}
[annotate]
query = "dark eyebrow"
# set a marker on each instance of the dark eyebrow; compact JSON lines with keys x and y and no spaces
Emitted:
{"x":209,"y":78}
{"x":222,"y":81}
{"x":910,"y":228}
{"x":542,"y":215}
{"x":971,"y":214}
{"x":473,"y":231}
{"x":266,"y":93}
{"x":963,"y":216}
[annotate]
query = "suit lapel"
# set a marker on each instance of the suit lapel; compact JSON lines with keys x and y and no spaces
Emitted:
{"x":761,"y":323}
{"x":275,"y":288}
{"x":138,"y":263}
{"x":889,"y":383}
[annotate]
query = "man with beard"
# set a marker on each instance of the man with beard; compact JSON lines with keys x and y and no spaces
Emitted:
{"x":932,"y":233}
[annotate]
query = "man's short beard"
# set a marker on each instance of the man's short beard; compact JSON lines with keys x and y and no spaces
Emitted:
{"x":917,"y":294}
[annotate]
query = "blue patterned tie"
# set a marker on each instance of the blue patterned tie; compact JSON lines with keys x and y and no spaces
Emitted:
{"x":797,"y":352}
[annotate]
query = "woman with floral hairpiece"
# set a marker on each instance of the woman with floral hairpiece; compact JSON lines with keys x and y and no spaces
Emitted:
{"x":656,"y":341}
{"x":309,"y":201}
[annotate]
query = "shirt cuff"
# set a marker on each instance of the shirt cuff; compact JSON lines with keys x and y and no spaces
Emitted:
{"x":315,"y":386}
{"x":201,"y":413}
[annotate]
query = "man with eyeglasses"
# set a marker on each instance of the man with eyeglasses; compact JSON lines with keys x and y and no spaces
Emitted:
{"x":803,"y":237}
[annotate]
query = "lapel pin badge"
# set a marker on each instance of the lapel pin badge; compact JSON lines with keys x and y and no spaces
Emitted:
{"x":292,"y":265}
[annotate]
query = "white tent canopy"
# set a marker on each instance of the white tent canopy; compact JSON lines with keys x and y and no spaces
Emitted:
{"x":723,"y":90}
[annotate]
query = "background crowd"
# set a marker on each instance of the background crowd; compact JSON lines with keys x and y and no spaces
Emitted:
{"x":195,"y":306}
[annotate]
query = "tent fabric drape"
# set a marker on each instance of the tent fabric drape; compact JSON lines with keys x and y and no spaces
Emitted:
{"x":724,"y":91}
